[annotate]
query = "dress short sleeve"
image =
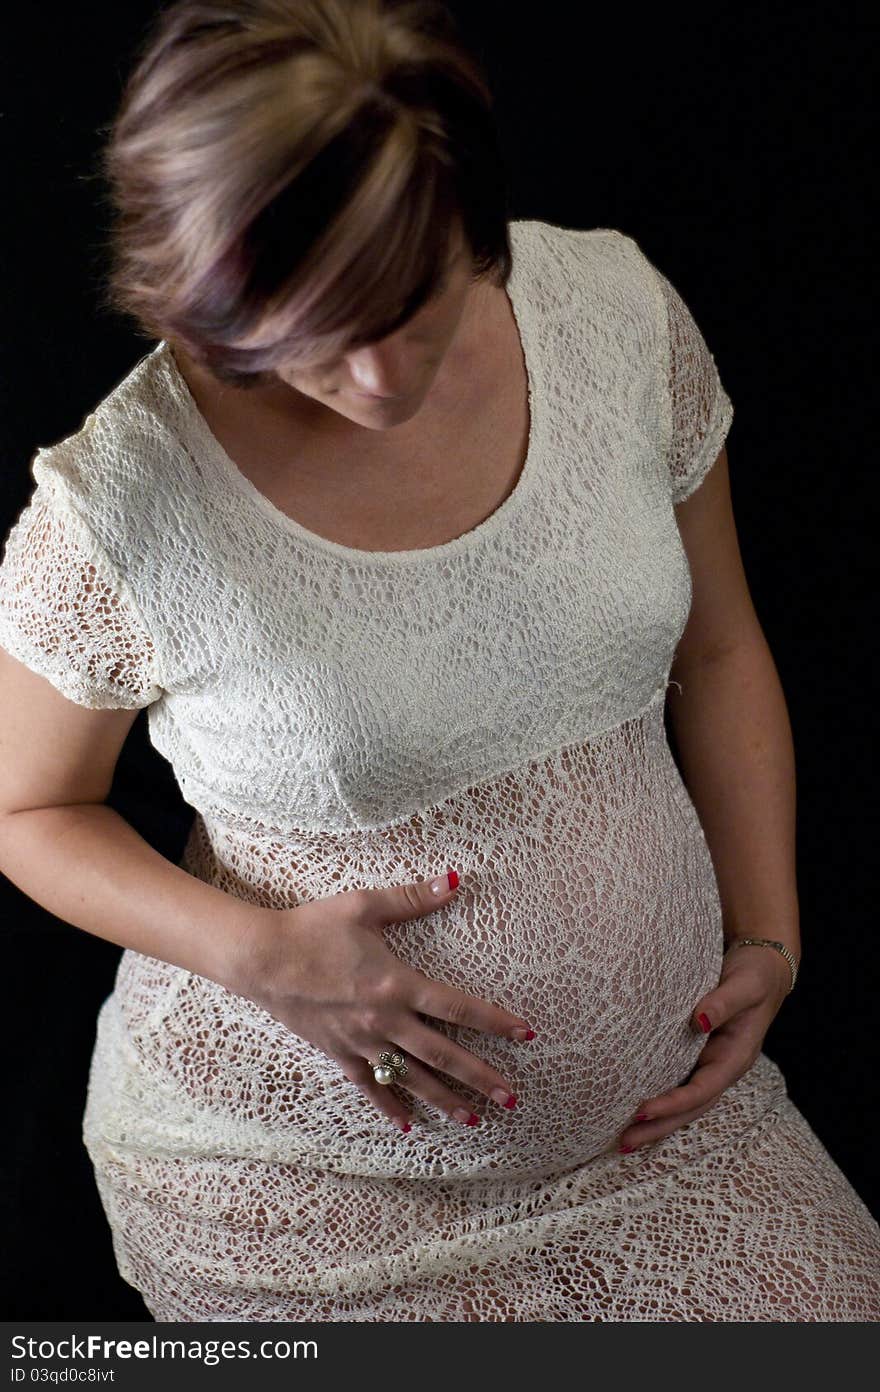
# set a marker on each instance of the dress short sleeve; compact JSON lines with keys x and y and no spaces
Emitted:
{"x":701,"y":411}
{"x":67,"y":615}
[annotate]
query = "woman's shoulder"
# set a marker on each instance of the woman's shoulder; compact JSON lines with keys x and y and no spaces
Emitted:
{"x":118,"y":464}
{"x":104,"y":456}
{"x":602,"y":263}
{"x":595,"y":242}
{"x":592,"y":287}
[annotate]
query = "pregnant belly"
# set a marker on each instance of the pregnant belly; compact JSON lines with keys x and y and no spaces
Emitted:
{"x":602,"y":930}
{"x":606,"y":956}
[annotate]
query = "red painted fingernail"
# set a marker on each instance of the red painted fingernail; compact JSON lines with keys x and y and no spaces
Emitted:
{"x":453,"y":879}
{"x":511,"y":1101}
{"x":473,"y":1119}
{"x":643,"y":1116}
{"x":625,"y":1149}
{"x":705,"y":1024}
{"x":406,"y":1127}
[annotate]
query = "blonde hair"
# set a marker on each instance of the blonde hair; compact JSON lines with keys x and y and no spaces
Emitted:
{"x":284,"y":177}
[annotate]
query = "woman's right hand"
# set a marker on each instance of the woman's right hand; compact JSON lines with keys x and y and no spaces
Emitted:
{"x":324,"y":970}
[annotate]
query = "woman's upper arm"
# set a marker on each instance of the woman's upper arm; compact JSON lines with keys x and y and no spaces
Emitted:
{"x":722,"y":616}
{"x":700,"y":413}
{"x":53,"y":752}
{"x":77,"y":662}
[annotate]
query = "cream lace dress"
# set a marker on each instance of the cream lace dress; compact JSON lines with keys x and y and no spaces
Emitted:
{"x":341,"y":718}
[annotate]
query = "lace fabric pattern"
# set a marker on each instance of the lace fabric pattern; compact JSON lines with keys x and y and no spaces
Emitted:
{"x":340,"y":719}
{"x":529,"y":860}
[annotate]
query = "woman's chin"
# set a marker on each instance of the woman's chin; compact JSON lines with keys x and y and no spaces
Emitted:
{"x":378,"y":413}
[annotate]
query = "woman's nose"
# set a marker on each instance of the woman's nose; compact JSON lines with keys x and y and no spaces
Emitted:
{"x":379,"y":372}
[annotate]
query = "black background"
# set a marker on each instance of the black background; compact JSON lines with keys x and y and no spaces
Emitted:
{"x":731,"y":142}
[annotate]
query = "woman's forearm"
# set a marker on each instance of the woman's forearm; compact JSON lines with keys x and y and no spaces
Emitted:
{"x":89,"y":867}
{"x":736,"y":753}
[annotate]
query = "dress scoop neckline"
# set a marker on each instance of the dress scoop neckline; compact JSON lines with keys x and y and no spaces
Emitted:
{"x":208,"y":446}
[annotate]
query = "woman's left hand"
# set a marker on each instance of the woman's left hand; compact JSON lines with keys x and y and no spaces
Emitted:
{"x":753,"y":984}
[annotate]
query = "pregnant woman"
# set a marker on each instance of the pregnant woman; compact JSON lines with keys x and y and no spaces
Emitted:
{"x":403,"y":531}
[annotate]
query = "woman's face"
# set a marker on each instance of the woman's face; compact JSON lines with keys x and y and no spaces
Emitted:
{"x":383,"y":384}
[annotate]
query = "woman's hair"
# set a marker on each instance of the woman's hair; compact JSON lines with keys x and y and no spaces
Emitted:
{"x":285,"y":177}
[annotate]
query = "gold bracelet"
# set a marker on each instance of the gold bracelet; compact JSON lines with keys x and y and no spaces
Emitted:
{"x":769,"y":942}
